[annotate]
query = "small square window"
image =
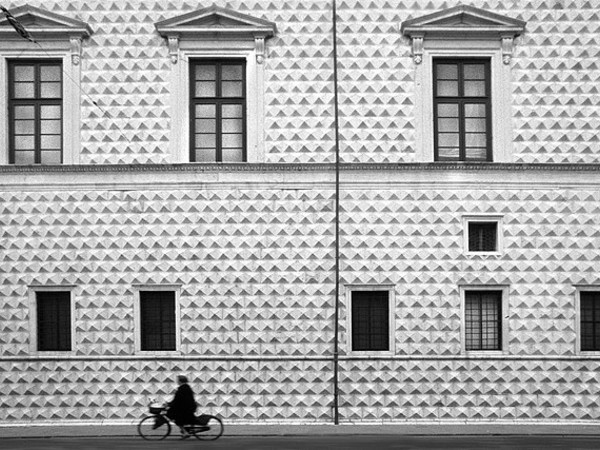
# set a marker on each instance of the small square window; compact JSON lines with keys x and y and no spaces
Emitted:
{"x":370,"y":324}
{"x":590,"y":320}
{"x":53,"y":310}
{"x":483,"y":236}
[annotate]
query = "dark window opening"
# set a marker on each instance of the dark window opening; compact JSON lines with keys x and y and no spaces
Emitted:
{"x":35,"y":115}
{"x":53,"y":321}
{"x":157,"y":318}
{"x":370,"y":321}
{"x":462,"y":110}
{"x":218,"y":110}
{"x":483,"y":317}
{"x":483,"y":236}
{"x":590,"y":320}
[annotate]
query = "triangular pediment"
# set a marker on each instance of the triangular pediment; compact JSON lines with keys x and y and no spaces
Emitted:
{"x":42,"y":24}
{"x":463,"y":19}
{"x":215,"y":20}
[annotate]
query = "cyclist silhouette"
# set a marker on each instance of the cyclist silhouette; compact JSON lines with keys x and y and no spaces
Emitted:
{"x":183,"y":406}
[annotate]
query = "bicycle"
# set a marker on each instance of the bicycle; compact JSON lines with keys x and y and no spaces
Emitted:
{"x":157,"y":426}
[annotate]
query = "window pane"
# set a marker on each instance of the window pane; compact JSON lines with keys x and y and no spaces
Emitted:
{"x":447,"y":88}
{"x":474,"y":88}
{"x":51,"y":112}
{"x":232,"y":111}
{"x":231,"y":125}
{"x":24,"y":126}
{"x":53,"y":321}
{"x":474,"y":72}
{"x":24,"y":157}
{"x":157,"y":317}
{"x":232,"y":155}
{"x":50,"y":141}
{"x":24,"y":90}
{"x":447,"y":72}
{"x":51,"y":157}
{"x":232,"y":140}
{"x":206,"y":111}
{"x":24,"y":112}
{"x":231,"y":89}
{"x":206,"y":125}
{"x":475,"y":139}
{"x":476,"y":154}
{"x":475,"y":110}
{"x":23,"y":73}
{"x":448,"y":125}
{"x":51,"y":126}
{"x":370,"y":321}
{"x":206,"y":155}
{"x":448,"y":154}
{"x":24,"y":143}
{"x":50,"y":90}
{"x":206,"y":72}
{"x":50,"y":73}
{"x":447,"y":110}
{"x":482,"y":236}
{"x":448,"y":139}
{"x":206,"y":89}
{"x":231,"y":72}
{"x":475,"y":125}
{"x":206,"y":140}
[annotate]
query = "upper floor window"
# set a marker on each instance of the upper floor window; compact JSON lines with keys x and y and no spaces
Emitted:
{"x":462,"y":110}
{"x":35,"y":114}
{"x":53,"y":309}
{"x":218,"y":110}
{"x":483,"y":320}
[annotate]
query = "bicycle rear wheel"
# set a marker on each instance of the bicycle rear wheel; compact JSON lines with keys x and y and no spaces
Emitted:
{"x":154,"y":428}
{"x":209,"y":432}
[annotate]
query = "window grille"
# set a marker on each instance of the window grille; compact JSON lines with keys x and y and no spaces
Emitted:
{"x":53,"y":321}
{"x":35,"y":115}
{"x":370,"y":321}
{"x":462,"y":106}
{"x":157,"y":317}
{"x":483,"y":317}
{"x":483,"y":236}
{"x":590,"y":320}
{"x":218,"y":110}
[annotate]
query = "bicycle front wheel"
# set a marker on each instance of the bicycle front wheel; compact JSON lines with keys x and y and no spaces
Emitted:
{"x":154,"y":428}
{"x":213,"y":429}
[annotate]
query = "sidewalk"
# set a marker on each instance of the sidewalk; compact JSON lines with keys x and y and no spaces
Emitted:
{"x":84,"y":430}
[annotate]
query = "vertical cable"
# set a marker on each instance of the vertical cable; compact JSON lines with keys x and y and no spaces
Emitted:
{"x":337,"y":223}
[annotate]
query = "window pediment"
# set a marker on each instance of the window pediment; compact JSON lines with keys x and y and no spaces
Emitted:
{"x":215,"y":23}
{"x":43,"y":25}
{"x":463,"y":22}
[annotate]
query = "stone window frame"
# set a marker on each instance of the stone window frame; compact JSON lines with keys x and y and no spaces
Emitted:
{"x":505,"y":314}
{"x":391,"y":289}
{"x":33,"y":325}
{"x":58,"y":38}
{"x":467,"y":219}
{"x":176,"y":289}
{"x":478,"y":34}
{"x":578,"y":290}
{"x":216,"y":33}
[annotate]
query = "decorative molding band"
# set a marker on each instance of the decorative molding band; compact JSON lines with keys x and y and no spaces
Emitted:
{"x":301,"y":167}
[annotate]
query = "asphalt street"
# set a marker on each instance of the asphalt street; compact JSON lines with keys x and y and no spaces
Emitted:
{"x":378,"y":442}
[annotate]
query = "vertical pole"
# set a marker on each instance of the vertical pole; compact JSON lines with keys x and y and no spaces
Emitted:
{"x":336,"y":419}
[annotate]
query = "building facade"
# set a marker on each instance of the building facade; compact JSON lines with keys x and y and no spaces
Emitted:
{"x":386,"y":214}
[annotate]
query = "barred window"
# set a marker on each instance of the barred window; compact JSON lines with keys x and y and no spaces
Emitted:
{"x":35,"y":116}
{"x":590,"y":320}
{"x":462,"y":106}
{"x":483,"y":320}
{"x":53,"y":320}
{"x":370,"y":321}
{"x":218,"y":110}
{"x":157,"y":320}
{"x":483,"y":236}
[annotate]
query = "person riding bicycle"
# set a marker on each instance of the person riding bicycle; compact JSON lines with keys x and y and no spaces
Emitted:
{"x":183,"y":406}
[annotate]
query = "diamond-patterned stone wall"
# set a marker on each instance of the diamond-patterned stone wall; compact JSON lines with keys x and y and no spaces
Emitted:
{"x":126,"y":72}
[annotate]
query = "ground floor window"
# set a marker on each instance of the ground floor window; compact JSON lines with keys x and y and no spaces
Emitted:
{"x":370,"y":312}
{"x":483,"y":320}
{"x":157,"y":321}
{"x":590,"y":320}
{"x":53,"y":309}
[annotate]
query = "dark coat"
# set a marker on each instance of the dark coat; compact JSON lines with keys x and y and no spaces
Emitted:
{"x":183,"y":406}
